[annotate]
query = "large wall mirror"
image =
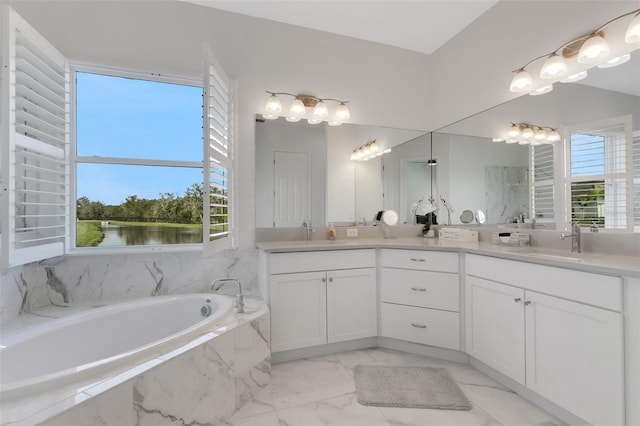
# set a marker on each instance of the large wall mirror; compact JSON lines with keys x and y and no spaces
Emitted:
{"x":303,"y":172}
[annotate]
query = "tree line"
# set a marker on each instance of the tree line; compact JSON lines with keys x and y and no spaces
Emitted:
{"x":169,"y":207}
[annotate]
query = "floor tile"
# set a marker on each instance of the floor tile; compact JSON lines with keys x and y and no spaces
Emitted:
{"x":340,"y":411}
{"x":261,"y":403}
{"x":264,"y":419}
{"x":428,"y":417}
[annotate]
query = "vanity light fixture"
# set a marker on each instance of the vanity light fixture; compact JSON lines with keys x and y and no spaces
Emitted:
{"x":319,"y":111}
{"x":525,"y":134}
{"x":578,"y":55}
{"x":368,"y":151}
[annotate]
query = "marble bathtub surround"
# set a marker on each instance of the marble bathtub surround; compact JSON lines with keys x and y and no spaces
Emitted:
{"x":202,"y":382}
{"x":506,"y":192}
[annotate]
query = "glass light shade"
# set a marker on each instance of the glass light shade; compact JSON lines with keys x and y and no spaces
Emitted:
{"x":334,"y":123}
{"x":497,"y":140}
{"x":320,"y":111}
{"x":633,"y":30}
{"x":540,"y":134}
{"x":342,"y":112}
{"x":360,"y":153}
{"x":386,"y":151}
{"x":374,"y":146}
{"x":269,"y":116}
{"x":297,"y":108}
{"x":535,"y":142}
{"x":616,"y":61}
{"x":510,"y":141}
{"x":553,"y":136}
{"x":554,"y":67}
{"x":521,"y":82}
{"x":524,"y":142}
{"x":367,"y":151}
{"x":527,"y":133}
{"x":513,"y":132}
{"x":292,"y":119}
{"x":575,"y":77}
{"x":542,"y":90}
{"x":273,"y":105}
{"x":354,"y":156}
{"x":594,"y":49}
{"x":313,"y":121}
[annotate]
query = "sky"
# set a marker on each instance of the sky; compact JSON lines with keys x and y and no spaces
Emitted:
{"x":127,"y":118}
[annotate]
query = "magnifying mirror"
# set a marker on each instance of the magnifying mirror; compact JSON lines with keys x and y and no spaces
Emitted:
{"x":466,"y":216}
{"x":390,"y":217}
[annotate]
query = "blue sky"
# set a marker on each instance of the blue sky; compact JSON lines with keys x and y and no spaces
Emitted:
{"x":120,"y":117}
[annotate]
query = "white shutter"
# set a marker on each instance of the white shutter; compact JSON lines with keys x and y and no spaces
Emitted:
{"x":35,"y":145}
{"x":218,"y":165}
{"x":635,"y":148}
{"x":542,"y":201}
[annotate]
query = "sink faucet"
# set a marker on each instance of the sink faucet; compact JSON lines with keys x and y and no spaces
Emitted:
{"x":216,"y":284}
{"x":575,"y":237}
{"x":309,"y":229}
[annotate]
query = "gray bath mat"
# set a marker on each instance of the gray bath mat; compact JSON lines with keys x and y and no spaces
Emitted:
{"x":409,"y":387}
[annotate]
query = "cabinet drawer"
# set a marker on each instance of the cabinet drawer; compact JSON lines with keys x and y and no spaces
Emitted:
{"x":420,"y":259}
{"x":585,"y":287}
{"x":421,"y":325}
{"x":282,"y":263}
{"x":439,"y":290}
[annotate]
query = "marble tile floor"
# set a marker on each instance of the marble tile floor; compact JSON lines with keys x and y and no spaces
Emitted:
{"x":321,"y":391}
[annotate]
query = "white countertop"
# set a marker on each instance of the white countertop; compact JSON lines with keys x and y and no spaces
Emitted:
{"x":588,"y":262}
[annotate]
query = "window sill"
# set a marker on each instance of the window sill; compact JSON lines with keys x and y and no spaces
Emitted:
{"x":128,"y":250}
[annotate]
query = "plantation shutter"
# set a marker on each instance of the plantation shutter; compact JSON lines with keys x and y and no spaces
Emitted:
{"x":635,"y":148}
{"x":542,"y":183}
{"x":35,"y":145}
{"x":218,"y":165}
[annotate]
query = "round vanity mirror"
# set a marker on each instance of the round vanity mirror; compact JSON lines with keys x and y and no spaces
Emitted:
{"x":481,"y":218}
{"x":390,"y":217}
{"x":466,"y":216}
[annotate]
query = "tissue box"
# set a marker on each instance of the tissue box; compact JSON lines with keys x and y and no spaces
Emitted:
{"x":514,"y":239}
{"x":458,"y":234}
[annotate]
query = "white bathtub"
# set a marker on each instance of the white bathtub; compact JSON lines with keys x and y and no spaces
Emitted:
{"x":68,"y":349}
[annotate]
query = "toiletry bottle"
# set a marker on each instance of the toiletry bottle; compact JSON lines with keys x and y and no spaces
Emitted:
{"x":332,"y":232}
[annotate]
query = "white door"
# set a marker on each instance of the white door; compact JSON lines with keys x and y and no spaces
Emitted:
{"x":575,"y":357}
{"x":495,"y":326}
{"x":298,"y":310}
{"x":291,"y":188}
{"x":351,"y":304}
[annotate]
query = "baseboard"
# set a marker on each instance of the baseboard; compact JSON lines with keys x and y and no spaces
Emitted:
{"x":418,"y":349}
{"x":320,"y":350}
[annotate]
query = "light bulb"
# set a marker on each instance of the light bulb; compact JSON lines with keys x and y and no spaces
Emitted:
{"x":542,"y":90}
{"x":334,"y":123}
{"x":540,"y":134}
{"x":297,"y":108}
{"x":554,"y":67}
{"x":633,"y":31}
{"x":320,"y":111}
{"x":527,"y":133}
{"x":269,"y":116}
{"x":524,"y":142}
{"x":273,"y":105}
{"x":616,"y":61}
{"x":594,"y":49}
{"x":374,"y":146}
{"x":497,"y":140}
{"x":553,"y":136}
{"x":510,"y":141}
{"x":313,"y":121}
{"x":292,"y":119}
{"x":575,"y":77}
{"x":513,"y":132}
{"x":354,"y":156}
{"x":521,"y":82}
{"x":342,"y":112}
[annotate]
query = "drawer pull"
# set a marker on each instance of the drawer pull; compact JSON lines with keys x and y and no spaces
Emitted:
{"x":418,"y":289}
{"x":413,"y":324}
{"x":517,"y":299}
{"x":527,"y":302}
{"x":324,"y":280}
{"x":415,"y":259}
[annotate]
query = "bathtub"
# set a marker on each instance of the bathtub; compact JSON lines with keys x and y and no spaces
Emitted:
{"x":40,"y":357}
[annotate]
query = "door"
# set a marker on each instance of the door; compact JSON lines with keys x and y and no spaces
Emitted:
{"x":575,"y":357}
{"x":298,"y":310}
{"x":291,"y":188}
{"x":351,"y":304}
{"x":495,"y":326}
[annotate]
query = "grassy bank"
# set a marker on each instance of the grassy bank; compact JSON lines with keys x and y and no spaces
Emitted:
{"x":88,"y":234}
{"x":163,"y":224}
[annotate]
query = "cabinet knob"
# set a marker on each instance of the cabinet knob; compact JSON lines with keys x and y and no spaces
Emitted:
{"x":415,"y":259}
{"x":330,"y":280}
{"x":416,"y":325}
{"x":324,"y":280}
{"x":418,"y":289}
{"x":527,"y":302}
{"x":517,"y":299}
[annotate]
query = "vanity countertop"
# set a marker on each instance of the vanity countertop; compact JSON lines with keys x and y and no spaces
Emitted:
{"x":588,"y":262}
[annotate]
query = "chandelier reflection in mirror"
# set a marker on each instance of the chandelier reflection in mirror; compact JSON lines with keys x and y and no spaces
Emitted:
{"x":312,"y":108}
{"x":570,"y":62}
{"x":528,"y":134}
{"x":368,"y":151}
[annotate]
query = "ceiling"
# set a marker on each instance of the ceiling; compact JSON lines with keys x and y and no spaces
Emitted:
{"x":418,"y":25}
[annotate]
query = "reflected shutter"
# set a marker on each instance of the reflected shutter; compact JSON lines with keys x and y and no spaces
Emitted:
{"x":35,"y":145}
{"x":542,"y":183}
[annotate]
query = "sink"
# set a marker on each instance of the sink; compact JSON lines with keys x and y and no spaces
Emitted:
{"x":576,"y":258}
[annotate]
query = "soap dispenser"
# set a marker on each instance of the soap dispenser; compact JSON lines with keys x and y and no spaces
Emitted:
{"x":332,"y":232}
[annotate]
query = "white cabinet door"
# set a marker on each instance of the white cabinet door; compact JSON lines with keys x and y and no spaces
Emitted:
{"x":495,"y":326}
{"x":575,"y":357}
{"x":351,"y":304}
{"x":298,"y":310}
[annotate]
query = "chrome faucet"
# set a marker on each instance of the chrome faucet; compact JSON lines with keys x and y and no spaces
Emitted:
{"x":309,"y":229}
{"x":575,"y":237}
{"x":216,"y":284}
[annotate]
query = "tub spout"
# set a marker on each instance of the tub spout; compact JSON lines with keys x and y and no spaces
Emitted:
{"x":217,"y":283}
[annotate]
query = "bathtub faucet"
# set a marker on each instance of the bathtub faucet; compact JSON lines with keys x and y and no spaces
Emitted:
{"x":216,"y":284}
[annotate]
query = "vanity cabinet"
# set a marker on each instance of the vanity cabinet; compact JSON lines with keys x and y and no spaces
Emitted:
{"x":558,"y":332}
{"x":321,"y":297}
{"x":420,"y":297}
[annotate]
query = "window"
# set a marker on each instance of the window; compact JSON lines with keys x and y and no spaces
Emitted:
{"x":599,"y":175}
{"x":138,"y":163}
{"x":542,"y":194}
